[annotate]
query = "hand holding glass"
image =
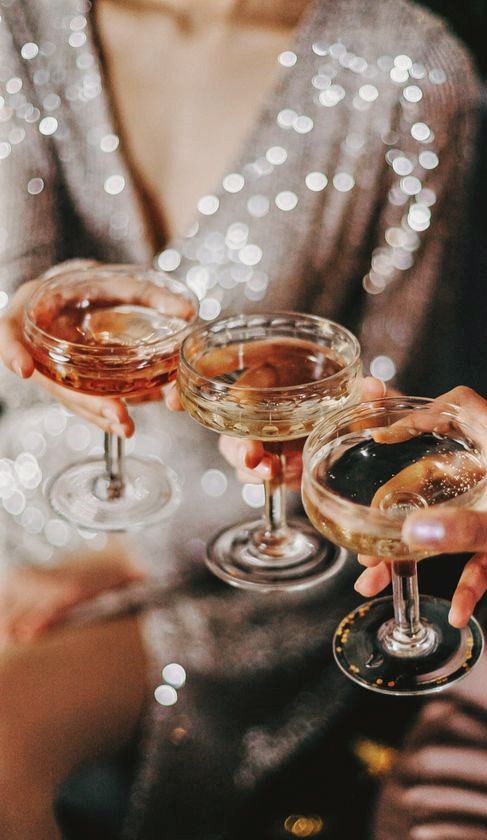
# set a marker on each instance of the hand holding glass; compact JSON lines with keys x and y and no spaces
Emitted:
{"x":111,"y":331}
{"x":270,"y":377}
{"x":365,"y":469}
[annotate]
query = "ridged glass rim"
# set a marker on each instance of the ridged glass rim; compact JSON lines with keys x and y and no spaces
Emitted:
{"x":159,"y":278}
{"x":365,"y":514}
{"x":230,"y":321}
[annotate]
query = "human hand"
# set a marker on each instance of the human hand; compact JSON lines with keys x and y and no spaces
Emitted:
{"x":253,"y":464}
{"x":110,"y":414}
{"x":33,"y":599}
{"x":446,"y":530}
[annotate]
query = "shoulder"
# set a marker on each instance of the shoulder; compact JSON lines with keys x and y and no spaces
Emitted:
{"x":402,"y":34}
{"x":380,"y":29}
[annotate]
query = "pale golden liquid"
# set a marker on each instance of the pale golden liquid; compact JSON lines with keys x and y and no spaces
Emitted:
{"x":445,"y":472}
{"x":259,"y":398}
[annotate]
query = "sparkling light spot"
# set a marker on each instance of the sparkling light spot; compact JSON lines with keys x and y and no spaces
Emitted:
{"x":114,"y":185}
{"x":5,"y":149}
{"x":428,"y":159}
{"x":402,"y":166}
{"x":412,"y":93}
{"x":3,"y":299}
{"x":303,"y":125}
{"x":288,"y":58}
{"x":286,"y":200}
{"x":320,"y":48}
{"x":321,"y":81}
{"x":258,"y":206}
{"x":174,"y":674}
{"x":29,"y":50}
{"x":51,"y":102}
{"x":14,"y":503}
{"x":368,"y":93}
{"x":13,"y":85}
{"x":208,"y":205}
{"x":276,"y":155}
{"x":169,"y":260}
{"x":403,"y":61}
{"x":316,"y":181}
{"x":166,"y":695}
{"x":286,"y":117}
{"x":233,"y":183}
{"x":383,"y":368}
{"x":210,"y":308}
{"x":214,"y":482}
{"x":77,"y":39}
{"x":343,"y":182}
{"x":250,"y":254}
{"x":48,"y":125}
{"x":399,"y":75}
{"x":109,"y":143}
{"x":35,"y":186}
{"x":332,"y":96}
{"x":420,"y":131}
{"x":253,"y":495}
{"x":411,"y":185}
{"x":437,"y":76}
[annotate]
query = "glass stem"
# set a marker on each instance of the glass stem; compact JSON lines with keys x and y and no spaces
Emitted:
{"x":274,"y":537}
{"x":407,"y":635}
{"x":114,"y":464}
{"x":405,"y":595}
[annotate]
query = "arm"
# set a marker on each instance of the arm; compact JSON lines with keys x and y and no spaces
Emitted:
{"x":411,"y":287}
{"x":438,"y":788}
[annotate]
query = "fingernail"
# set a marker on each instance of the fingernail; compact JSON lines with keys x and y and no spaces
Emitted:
{"x":263,"y":470}
{"x":110,"y":414}
{"x":422,"y":532}
{"x":17,"y":368}
{"x":118,"y":429}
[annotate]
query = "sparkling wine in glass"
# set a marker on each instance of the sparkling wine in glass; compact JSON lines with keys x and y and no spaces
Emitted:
{"x":110,"y":331}
{"x":269,"y":377}
{"x":365,"y":469}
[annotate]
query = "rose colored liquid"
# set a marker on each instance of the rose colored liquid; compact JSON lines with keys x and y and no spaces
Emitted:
{"x":114,"y":327}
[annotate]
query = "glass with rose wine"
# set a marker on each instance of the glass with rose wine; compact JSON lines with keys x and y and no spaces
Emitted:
{"x":110,"y":331}
{"x":364,"y":470}
{"x":269,"y":377}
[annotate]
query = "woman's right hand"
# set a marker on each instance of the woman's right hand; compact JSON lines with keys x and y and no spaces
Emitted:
{"x":110,"y":414}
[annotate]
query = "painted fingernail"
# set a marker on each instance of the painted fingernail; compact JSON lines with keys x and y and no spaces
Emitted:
{"x":422,"y":532}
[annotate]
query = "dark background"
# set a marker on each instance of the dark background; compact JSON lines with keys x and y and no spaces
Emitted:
{"x":468,"y":18}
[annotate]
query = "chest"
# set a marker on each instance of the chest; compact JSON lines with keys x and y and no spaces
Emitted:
{"x":185,"y":103}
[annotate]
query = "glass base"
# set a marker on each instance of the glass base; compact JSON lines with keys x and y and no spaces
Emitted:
{"x":361,"y":641}
{"x":80,"y":494}
{"x":307,"y":559}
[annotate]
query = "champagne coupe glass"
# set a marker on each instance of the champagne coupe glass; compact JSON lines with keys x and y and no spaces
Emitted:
{"x":365,"y":469}
{"x":112,"y":331}
{"x":269,"y":377}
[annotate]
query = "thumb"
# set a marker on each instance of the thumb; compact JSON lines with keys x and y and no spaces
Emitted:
{"x":447,"y":530}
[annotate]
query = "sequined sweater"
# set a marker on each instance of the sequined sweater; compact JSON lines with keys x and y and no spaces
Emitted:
{"x":347,"y":201}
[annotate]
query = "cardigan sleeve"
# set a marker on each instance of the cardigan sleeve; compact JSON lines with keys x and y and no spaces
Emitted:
{"x":29,"y":223}
{"x":412,"y":282}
